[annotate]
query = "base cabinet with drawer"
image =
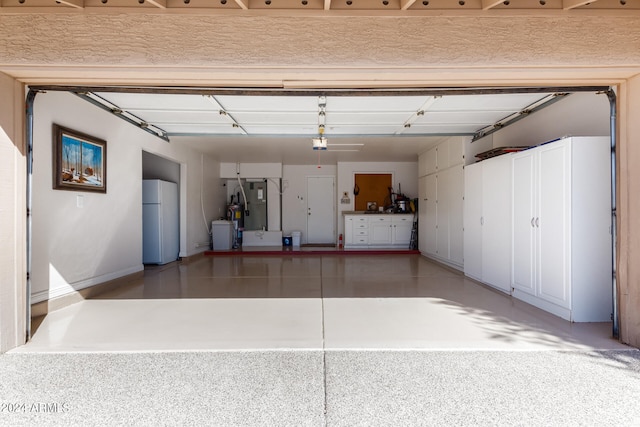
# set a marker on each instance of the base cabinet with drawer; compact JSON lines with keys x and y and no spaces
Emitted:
{"x":356,"y":230}
{"x":378,"y":230}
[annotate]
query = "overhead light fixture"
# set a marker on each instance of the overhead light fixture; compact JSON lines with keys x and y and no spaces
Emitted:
{"x":319,"y":143}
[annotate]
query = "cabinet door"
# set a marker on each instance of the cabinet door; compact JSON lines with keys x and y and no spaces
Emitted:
{"x":552,"y":223}
{"x":473,"y":221}
{"x":444,"y":180}
{"x":348,"y":230}
{"x":422,"y":213}
{"x":456,"y":151}
{"x":401,"y":234}
{"x":523,"y":274}
{"x":430,"y":161}
{"x":456,"y":206}
{"x":429,"y":215}
{"x":496,"y":229}
{"x":379,"y":230}
{"x":443,"y":156}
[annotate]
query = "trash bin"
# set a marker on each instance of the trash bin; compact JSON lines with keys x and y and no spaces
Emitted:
{"x":221,"y":235}
{"x":295,"y":237}
{"x":286,"y":240}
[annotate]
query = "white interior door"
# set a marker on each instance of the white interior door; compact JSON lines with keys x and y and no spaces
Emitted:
{"x":320,"y":210}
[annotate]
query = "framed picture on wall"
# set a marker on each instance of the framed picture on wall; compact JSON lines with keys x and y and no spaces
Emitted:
{"x":79,"y":161}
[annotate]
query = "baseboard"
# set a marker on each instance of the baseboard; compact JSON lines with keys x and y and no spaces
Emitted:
{"x":446,"y":264}
{"x":44,"y":307}
{"x":192,"y":258}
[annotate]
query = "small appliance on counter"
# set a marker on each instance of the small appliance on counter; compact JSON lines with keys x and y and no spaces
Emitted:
{"x":399,"y":203}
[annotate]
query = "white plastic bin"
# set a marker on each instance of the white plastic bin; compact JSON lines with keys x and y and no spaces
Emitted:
{"x":222,"y":235}
{"x":295,"y":237}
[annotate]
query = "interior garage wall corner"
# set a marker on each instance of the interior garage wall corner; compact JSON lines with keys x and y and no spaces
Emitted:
{"x":12,"y":214}
{"x":81,"y":239}
{"x":629,"y":211}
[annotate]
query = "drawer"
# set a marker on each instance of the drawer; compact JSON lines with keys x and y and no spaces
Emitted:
{"x":402,"y":220}
{"x":361,"y":232}
{"x":380,"y":220}
{"x":360,"y":219}
{"x":361,"y":240}
{"x":360,"y":225}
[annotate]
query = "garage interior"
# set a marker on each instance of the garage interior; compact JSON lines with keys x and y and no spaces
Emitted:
{"x":363,"y":128}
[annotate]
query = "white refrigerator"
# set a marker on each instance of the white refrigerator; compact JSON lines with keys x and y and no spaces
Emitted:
{"x":160,"y":221}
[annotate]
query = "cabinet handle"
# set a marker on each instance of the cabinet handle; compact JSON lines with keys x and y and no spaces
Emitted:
{"x":537,"y":222}
{"x":533,"y":222}
{"x":481,"y":220}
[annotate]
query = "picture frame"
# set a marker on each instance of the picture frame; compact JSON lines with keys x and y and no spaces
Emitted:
{"x":79,"y":161}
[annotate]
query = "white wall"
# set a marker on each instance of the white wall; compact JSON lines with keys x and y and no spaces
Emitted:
{"x":75,"y":247}
{"x":404,"y":173}
{"x":294,"y":197}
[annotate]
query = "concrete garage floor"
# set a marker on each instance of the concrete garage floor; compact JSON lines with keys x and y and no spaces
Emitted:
{"x":316,"y":340}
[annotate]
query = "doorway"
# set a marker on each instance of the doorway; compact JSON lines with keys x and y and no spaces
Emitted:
{"x":161,"y":222}
{"x":320,"y":210}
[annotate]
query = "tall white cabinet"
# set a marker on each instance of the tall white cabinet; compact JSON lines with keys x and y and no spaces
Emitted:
{"x":487,"y":221}
{"x":441,"y":188}
{"x":561,"y":228}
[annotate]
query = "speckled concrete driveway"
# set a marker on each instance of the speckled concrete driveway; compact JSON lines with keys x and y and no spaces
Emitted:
{"x":315,"y":388}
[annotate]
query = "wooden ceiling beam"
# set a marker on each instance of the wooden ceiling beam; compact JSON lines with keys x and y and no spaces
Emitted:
{"x":78,"y":4}
{"x":489,"y":4}
{"x":406,"y":4}
{"x":244,"y":4}
{"x":572,"y":4}
{"x":162,"y":4}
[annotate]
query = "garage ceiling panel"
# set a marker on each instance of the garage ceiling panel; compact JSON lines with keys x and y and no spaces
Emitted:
{"x":480,"y":118}
{"x":368,"y":118}
{"x":233,"y":103}
{"x":202,"y":129}
{"x":176,"y":116}
{"x":160,"y":101}
{"x":502,"y":102}
{"x":277,"y":118}
{"x":409,"y":104}
{"x":458,"y":129}
{"x":278,"y":129}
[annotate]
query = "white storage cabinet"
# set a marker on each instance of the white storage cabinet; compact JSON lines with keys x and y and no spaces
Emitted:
{"x":441,"y":192}
{"x":561,"y":228}
{"x":487,"y":222}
